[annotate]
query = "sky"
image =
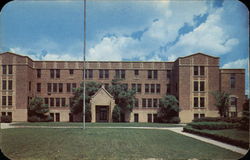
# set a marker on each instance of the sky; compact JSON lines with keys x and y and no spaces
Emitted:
{"x":131,"y":30}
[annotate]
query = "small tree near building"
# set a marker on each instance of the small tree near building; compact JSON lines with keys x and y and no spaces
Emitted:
{"x":169,"y":110}
{"x":222,"y":102}
{"x":38,"y":111}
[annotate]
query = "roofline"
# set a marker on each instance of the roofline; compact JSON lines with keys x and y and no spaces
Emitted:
{"x":197,"y":54}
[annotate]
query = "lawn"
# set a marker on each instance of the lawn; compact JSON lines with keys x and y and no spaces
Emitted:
{"x":99,"y":143}
{"x":96,"y":124}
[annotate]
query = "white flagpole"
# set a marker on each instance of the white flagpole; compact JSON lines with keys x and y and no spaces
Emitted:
{"x":84,"y":68}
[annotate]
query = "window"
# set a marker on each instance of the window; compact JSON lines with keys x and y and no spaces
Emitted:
{"x":195,"y":85}
{"x":168,"y":74}
{"x":10,"y":85}
{"x":152,"y":88}
{"x":58,"y":102}
{"x":4,"y":67}
{"x":54,"y":87}
{"x":29,"y":85}
{"x":144,"y":102}
{"x":150,"y":103}
{"x":232,"y":80}
{"x":196,"y":103}
{"x":52,"y":74}
{"x":202,"y":102}
{"x":146,"y":88}
{"x":136,"y":72}
{"x":68,"y":87}
{"x":38,"y":87}
{"x":10,"y":114}
{"x":60,"y":87}
{"x":10,"y":69}
{"x":46,"y":101}
{"x":57,"y":73}
{"x":51,"y":102}
{"x":88,"y":73}
{"x":155,"y":103}
{"x":139,"y":88}
{"x":158,"y":88}
{"x":120,"y":73}
{"x":73,"y":86}
{"x":71,"y":72}
{"x":49,"y":87}
{"x":233,"y":101}
{"x":123,"y":74}
{"x":9,"y":100}
{"x":63,"y":102}
{"x":202,"y":70}
{"x":103,"y":73}
{"x":38,"y":73}
{"x":152,"y":74}
{"x":202,"y":86}
{"x":4,"y":85}
{"x":3,"y":113}
{"x":202,"y":115}
{"x":136,"y":103}
{"x":155,"y":118}
{"x":150,"y":118}
{"x":155,"y":74}
{"x":136,"y":117}
{"x":168,"y":89}
{"x":133,"y":86}
{"x":106,"y":73}
{"x":196,"y":116}
{"x":4,"y":100}
{"x":149,"y":74}
{"x":196,"y":70}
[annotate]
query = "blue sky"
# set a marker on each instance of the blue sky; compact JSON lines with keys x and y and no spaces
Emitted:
{"x":127,"y":30}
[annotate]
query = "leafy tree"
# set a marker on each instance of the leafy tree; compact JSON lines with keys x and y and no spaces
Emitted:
{"x":244,"y":123}
{"x":222,"y":102}
{"x":124,"y":98}
{"x":77,"y":99}
{"x":169,"y":108}
{"x":116,"y":114}
{"x":38,"y":110}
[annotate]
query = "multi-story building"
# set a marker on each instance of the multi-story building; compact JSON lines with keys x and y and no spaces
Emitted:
{"x":191,"y":79}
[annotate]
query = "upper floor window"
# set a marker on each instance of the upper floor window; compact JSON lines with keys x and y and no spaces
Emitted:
{"x":199,"y":70}
{"x":152,"y":74}
{"x":136,"y":104}
{"x":60,"y":87}
{"x":200,"y":87}
{"x":202,"y":102}
{"x":57,"y":73}
{"x":54,"y":87}
{"x":4,"y":69}
{"x":9,"y":84}
{"x":38,"y":87}
{"x":136,"y":87}
{"x":29,"y":85}
{"x":4,"y":85}
{"x":155,"y":102}
{"x":89,"y":73}
{"x":146,"y":88}
{"x":120,"y":73}
{"x":68,"y":87}
{"x":49,"y":87}
{"x":38,"y":73}
{"x":158,"y":88}
{"x":144,"y":102}
{"x":196,"y":102}
{"x":152,"y":88}
{"x":103,"y":73}
{"x":149,"y":102}
{"x":232,"y":80}
{"x":10,"y":69}
{"x":136,"y":72}
{"x":4,"y":101}
{"x":196,"y":86}
{"x":52,"y":73}
{"x":71,"y":71}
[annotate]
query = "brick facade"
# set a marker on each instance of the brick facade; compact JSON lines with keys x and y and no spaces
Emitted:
{"x":190,"y":79}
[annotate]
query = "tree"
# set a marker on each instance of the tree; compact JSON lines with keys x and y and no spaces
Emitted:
{"x":37,"y":110}
{"x":169,"y":109}
{"x":222,"y":102}
{"x":124,"y":98}
{"x":116,"y":114}
{"x":244,"y":123}
{"x":76,"y":106}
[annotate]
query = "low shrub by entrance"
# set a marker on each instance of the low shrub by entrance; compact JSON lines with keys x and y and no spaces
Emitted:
{"x":213,"y":125}
{"x":219,"y":119}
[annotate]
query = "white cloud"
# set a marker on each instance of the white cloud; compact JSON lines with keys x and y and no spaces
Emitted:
{"x":240,"y":63}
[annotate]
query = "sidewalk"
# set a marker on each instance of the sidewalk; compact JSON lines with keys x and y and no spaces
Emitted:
{"x":208,"y":140}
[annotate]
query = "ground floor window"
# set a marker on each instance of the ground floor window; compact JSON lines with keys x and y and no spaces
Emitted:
{"x":136,"y":117}
{"x":197,"y":115}
{"x":155,"y":118}
{"x":150,"y":118}
{"x":233,"y":114}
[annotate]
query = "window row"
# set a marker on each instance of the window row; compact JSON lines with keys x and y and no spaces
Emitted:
{"x":103,"y":73}
{"x":6,"y":100}
{"x":199,"y":70}
{"x":151,"y":117}
{"x":199,"y":115}
{"x":57,"y":87}
{"x":55,"y":102}
{"x":152,"y":88}
{"x":199,"y":102}
{"x":7,"y":69}
{"x":6,"y":84}
{"x":149,"y":102}
{"x":199,"y":86}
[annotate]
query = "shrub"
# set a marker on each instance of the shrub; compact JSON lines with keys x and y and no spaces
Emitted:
{"x":174,"y":120}
{"x":213,"y":125}
{"x":38,"y":119}
{"x":218,"y":119}
{"x":116,"y":114}
{"x":221,"y":138}
{"x":6,"y":119}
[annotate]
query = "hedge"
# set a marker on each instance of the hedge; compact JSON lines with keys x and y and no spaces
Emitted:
{"x":213,"y":125}
{"x":227,"y":140}
{"x":219,"y":119}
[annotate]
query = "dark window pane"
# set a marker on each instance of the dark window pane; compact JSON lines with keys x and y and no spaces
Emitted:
{"x":196,"y":70}
{"x":57,"y":73}
{"x":202,"y":115}
{"x":49,"y":87}
{"x":155,"y":74}
{"x":4,"y":67}
{"x":29,"y":86}
{"x":168,"y":89}
{"x":51,"y":102}
{"x":149,"y":102}
{"x":4,"y":100}
{"x":10,"y":69}
{"x":232,"y":81}
{"x":202,"y":102}
{"x":123,"y":74}
{"x":196,"y":116}
{"x":46,"y":101}
{"x":38,"y":71}
{"x":202,"y":70}
{"x":38,"y":87}
{"x":106,"y":73}
{"x":54,"y":87}
{"x":158,"y":88}
{"x":90,"y":73}
{"x":149,"y":74}
{"x":196,"y":102}
{"x":68,"y":87}
{"x":169,"y":74}
{"x":195,"y":85}
{"x":100,"y":73}
{"x":133,"y":86}
{"x":63,"y":102}
{"x":71,"y":71}
{"x":136,"y":72}
{"x":60,"y":87}
{"x":52,"y":74}
{"x":202,"y":86}
{"x":146,"y":88}
{"x":58,"y":102}
{"x":117,"y":73}
{"x":4,"y":84}
{"x":152,"y":88}
{"x":139,"y":88}
{"x":144,"y":102}
{"x":149,"y":118}
{"x":155,"y":102}
{"x":9,"y":100}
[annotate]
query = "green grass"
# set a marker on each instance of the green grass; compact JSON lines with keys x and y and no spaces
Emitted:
{"x":95,"y":124}
{"x":97,"y":143}
{"x":231,"y":133}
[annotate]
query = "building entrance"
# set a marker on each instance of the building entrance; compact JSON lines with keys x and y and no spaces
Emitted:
{"x":102,"y":113}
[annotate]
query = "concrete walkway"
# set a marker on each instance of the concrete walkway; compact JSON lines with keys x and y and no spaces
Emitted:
{"x":173,"y":129}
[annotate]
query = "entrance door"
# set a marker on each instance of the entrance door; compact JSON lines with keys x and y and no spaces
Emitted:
{"x":101,"y":113}
{"x":57,"y":117}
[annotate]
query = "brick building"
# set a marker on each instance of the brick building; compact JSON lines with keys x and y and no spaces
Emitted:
{"x":190,"y":79}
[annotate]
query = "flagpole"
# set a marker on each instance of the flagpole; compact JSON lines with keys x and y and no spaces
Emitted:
{"x":84,"y":68}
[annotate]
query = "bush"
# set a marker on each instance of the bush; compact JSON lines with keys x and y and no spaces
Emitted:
{"x":219,"y":119}
{"x":224,"y":139}
{"x":116,"y":114}
{"x":174,"y":120}
{"x":6,"y":119}
{"x":38,"y":119}
{"x":213,"y":125}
